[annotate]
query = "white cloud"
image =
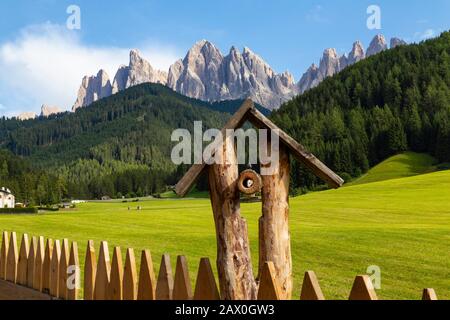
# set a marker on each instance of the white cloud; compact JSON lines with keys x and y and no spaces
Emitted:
{"x":316,"y":15}
{"x":427,"y":34}
{"x":45,"y":64}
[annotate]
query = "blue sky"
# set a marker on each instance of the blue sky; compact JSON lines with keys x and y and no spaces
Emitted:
{"x":288,"y":34}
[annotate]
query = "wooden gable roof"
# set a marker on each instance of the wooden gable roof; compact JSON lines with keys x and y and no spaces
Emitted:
{"x":248,"y":112}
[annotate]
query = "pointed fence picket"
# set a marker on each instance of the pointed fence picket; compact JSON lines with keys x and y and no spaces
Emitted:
{"x":164,"y":286}
{"x":53,"y":268}
{"x":182,"y":286}
{"x":147,"y":279}
{"x":90,"y":268}
{"x":47,"y":266}
{"x":311,"y":289}
{"x":115,"y":287}
{"x":39,"y":264}
{"x":31,"y":263}
{"x":22,"y":265}
{"x":63,"y":265}
{"x":4,"y":254}
{"x":12,"y":259}
{"x":130,"y":280}
{"x":206,"y":287}
{"x":73,"y":273}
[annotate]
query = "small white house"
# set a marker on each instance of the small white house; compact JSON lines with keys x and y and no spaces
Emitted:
{"x":7,"y":199}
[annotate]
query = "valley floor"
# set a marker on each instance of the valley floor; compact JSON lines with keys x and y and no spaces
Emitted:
{"x":400,"y":225}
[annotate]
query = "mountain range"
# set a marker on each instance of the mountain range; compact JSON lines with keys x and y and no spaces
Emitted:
{"x":206,"y":74}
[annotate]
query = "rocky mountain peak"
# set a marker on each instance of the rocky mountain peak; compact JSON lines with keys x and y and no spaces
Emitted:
{"x":203,"y":50}
{"x":92,"y":89}
{"x":330,"y":63}
{"x":395,"y":42}
{"x":26,"y":116}
{"x":377,"y":45}
{"x":140,"y":71}
{"x":357,"y":53}
{"x":208,"y":75}
{"x":47,"y":110}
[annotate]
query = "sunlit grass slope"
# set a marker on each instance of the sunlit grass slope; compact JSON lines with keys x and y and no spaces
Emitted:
{"x":399,"y":166}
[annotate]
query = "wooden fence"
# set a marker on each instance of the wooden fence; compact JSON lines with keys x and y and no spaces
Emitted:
{"x":50,"y":269}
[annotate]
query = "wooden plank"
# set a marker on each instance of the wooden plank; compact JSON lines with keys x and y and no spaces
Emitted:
{"x":115,"y":289}
{"x":429,"y":294}
{"x":63,"y":265}
{"x":164,"y":286}
{"x":363,"y":289}
{"x":297,"y":150}
{"x":90,"y":268}
{"x":13,"y":259}
{"x":39,"y":264}
{"x":54,"y":271}
{"x":103,"y":273}
{"x":46,"y":267}
{"x":130,"y":276}
{"x":269,"y":288}
{"x":11,"y":291}
{"x":22,"y":266}
{"x":147,"y":279}
{"x":73,"y":273}
{"x":311,"y":289}
{"x":31,"y":263}
{"x":4,"y":254}
{"x":191,"y":176}
{"x":206,"y":287}
{"x":182,"y":286}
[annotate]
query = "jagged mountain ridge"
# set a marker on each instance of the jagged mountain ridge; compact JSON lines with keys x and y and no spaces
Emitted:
{"x":206,"y":74}
{"x":46,"y":111}
{"x":331,"y":63}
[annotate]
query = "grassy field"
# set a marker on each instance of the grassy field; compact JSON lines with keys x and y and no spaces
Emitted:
{"x":401,"y":225}
{"x":403,"y":165}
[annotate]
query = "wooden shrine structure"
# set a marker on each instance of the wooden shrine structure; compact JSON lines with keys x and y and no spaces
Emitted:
{"x":234,"y":264}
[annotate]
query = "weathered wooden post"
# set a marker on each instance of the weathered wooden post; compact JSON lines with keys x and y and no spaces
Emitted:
{"x":274,"y":237}
{"x":233,"y":250}
{"x":234,"y":263}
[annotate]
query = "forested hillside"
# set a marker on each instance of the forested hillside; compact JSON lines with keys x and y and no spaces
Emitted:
{"x":118,"y":146}
{"x":395,"y":101}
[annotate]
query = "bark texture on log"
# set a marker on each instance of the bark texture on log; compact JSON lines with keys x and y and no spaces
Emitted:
{"x":234,"y":263}
{"x":274,"y":237}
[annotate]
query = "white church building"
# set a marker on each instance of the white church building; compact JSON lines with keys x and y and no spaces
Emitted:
{"x":7,"y":199}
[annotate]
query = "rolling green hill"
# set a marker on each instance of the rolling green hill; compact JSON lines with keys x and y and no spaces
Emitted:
{"x":400,"y":225}
{"x":395,"y":101}
{"x":399,"y":166}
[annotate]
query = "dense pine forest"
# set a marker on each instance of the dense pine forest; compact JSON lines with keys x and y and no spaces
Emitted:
{"x":394,"y":101}
{"x":120,"y":146}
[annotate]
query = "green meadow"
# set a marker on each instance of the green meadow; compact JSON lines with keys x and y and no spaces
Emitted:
{"x":399,"y":166}
{"x":401,"y":225}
